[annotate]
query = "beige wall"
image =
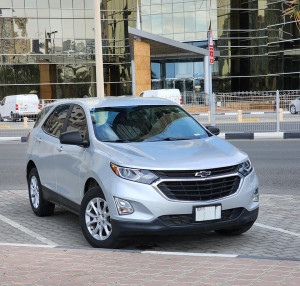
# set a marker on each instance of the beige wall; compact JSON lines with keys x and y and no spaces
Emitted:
{"x":142,"y":67}
{"x":46,"y":76}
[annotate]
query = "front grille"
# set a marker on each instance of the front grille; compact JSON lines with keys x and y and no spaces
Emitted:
{"x":176,"y":220}
{"x":201,"y":190}
{"x":191,"y":173}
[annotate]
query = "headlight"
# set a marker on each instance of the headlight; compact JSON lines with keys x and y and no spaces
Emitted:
{"x":136,"y":175}
{"x":245,"y":168}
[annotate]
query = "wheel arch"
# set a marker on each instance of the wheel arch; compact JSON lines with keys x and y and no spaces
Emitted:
{"x":90,"y":182}
{"x":30,"y":166}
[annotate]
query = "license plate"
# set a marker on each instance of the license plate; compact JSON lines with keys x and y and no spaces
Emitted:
{"x":208,"y":213}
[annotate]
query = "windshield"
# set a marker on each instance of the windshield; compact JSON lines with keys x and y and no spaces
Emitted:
{"x":145,"y":123}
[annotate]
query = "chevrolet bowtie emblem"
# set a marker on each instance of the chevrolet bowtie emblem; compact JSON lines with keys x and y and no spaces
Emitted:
{"x":203,"y":174}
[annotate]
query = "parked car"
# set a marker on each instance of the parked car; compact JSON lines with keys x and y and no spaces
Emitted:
{"x":18,"y":106}
{"x":134,"y":165}
{"x":171,"y":94}
{"x":294,"y":106}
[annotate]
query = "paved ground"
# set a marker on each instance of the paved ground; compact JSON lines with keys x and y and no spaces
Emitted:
{"x":40,"y":266}
{"x":276,"y":233}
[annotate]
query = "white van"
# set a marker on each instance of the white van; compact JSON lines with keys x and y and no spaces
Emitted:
{"x":171,"y":94}
{"x":18,"y":106}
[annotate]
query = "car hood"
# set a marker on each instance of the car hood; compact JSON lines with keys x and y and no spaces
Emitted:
{"x":211,"y":152}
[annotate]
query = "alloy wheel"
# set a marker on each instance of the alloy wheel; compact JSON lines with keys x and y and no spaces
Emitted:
{"x":34,"y":192}
{"x":97,"y":219}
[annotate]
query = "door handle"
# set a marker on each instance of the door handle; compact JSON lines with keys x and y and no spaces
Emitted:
{"x":59,"y":148}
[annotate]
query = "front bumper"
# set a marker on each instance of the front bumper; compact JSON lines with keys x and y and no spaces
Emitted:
{"x":182,"y":223}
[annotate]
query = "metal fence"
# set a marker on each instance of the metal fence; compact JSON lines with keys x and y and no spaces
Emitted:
{"x":234,"y":112}
{"x":248,"y":111}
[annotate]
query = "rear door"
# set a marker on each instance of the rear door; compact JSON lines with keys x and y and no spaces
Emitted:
{"x":47,"y":145}
{"x":28,"y":104}
{"x":69,"y":165}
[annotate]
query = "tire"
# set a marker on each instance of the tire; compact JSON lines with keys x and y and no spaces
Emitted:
{"x":39,"y":206}
{"x":236,"y":230}
{"x":1,"y":119}
{"x":293,"y":109}
{"x":97,"y":227}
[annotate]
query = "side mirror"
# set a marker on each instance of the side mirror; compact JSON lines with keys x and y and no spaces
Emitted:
{"x":214,"y":130}
{"x":73,"y":138}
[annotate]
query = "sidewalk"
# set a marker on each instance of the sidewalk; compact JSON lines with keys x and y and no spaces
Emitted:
{"x":62,"y":266}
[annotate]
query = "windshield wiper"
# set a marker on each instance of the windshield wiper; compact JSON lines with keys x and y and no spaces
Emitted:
{"x":173,"y":139}
{"x":123,"y":140}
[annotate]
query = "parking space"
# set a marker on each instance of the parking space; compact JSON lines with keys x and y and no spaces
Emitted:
{"x":275,"y":234}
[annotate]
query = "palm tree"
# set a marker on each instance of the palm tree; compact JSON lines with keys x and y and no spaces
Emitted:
{"x":293,"y":11}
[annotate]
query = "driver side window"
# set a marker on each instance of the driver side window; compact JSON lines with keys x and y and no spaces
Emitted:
{"x":77,"y":121}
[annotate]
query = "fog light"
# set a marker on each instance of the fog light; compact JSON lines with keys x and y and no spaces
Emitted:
{"x":255,"y":196}
{"x":123,"y":207}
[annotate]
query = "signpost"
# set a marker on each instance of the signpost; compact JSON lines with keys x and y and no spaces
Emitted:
{"x":211,"y":62}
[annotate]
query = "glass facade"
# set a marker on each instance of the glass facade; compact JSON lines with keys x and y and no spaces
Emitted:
{"x":186,"y":21}
{"x":47,"y":46}
{"x":259,"y":47}
{"x":116,"y":17}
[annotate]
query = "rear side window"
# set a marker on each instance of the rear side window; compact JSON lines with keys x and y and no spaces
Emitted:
{"x":77,"y":121}
{"x":55,"y":122}
{"x":41,"y":115}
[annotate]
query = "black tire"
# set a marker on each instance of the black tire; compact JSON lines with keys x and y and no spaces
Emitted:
{"x":1,"y":119}
{"x":39,"y":205}
{"x":102,"y":238}
{"x":235,"y":231}
{"x":293,"y":109}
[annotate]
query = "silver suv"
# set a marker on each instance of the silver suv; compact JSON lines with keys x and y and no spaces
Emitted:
{"x":132,"y":165}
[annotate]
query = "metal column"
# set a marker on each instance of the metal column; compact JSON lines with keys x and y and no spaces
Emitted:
{"x":98,"y":50}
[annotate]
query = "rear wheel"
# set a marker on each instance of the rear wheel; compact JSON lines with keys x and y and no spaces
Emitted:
{"x":39,"y":205}
{"x":293,"y":109}
{"x":95,"y":220}
{"x":235,"y":231}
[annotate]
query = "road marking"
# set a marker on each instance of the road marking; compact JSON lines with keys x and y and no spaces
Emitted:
{"x":277,"y":229}
{"x":27,"y":231}
{"x":27,"y":245}
{"x":190,"y":254}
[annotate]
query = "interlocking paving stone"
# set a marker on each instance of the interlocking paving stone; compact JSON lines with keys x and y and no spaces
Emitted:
{"x":63,"y":228}
{"x":40,"y":266}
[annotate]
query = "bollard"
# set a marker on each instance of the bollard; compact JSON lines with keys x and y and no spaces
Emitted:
{"x":240,"y":116}
{"x":208,"y":112}
{"x":25,"y":122}
{"x":281,"y":114}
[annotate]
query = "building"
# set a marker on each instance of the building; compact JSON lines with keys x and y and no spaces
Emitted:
{"x":49,"y":46}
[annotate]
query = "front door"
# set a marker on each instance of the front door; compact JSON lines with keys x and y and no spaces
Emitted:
{"x":69,"y":163}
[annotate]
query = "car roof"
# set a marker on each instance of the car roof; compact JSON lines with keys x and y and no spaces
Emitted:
{"x":114,"y":101}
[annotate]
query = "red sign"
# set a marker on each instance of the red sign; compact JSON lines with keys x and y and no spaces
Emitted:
{"x":211,"y":48}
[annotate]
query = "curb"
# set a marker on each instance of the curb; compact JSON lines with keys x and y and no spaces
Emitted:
{"x":264,"y":135}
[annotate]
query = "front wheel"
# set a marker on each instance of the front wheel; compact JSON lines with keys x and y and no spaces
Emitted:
{"x":39,"y":205}
{"x":95,"y":220}
{"x":235,"y":231}
{"x":293,"y":109}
